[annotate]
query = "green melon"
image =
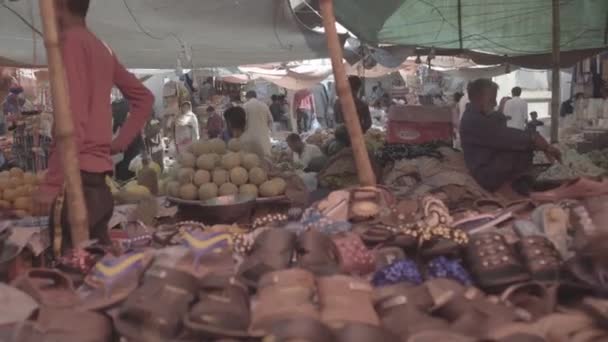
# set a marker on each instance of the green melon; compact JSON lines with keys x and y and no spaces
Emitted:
{"x":173,"y":189}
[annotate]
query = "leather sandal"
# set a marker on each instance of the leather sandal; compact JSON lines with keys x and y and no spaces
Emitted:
{"x":493,"y":262}
{"x":155,"y":310}
{"x":272,"y":251}
{"x":223,"y":313}
{"x":317,"y":253}
{"x":540,"y":257}
{"x":346,"y":300}
{"x":404,"y":314}
{"x":283,"y":295}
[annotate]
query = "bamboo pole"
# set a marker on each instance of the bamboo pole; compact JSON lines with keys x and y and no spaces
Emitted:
{"x":555,"y":83}
{"x":349,"y":110}
{"x":64,"y":126}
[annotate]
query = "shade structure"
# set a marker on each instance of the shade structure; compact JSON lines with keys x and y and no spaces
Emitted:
{"x":500,"y":27}
{"x":154,"y":33}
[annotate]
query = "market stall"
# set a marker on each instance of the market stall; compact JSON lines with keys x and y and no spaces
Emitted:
{"x":226,"y":246}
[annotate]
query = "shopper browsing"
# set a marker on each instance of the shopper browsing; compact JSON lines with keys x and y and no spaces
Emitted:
{"x":516,"y":110}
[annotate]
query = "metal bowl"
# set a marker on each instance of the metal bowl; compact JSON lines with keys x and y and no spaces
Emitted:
{"x":219,"y":210}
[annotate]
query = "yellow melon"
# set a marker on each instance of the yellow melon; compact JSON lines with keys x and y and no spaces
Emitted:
{"x":272,"y":188}
{"x":9,"y":195}
{"x":220,"y":176}
{"x":185,"y":175}
{"x":207,"y":162}
{"x":228,"y":189}
{"x":231,"y":160}
{"x":29,"y":178}
{"x":234,"y":145}
{"x":218,"y":146}
{"x":248,"y":189}
{"x":200,"y":147}
{"x":23,"y":203}
{"x":187,"y":160}
{"x":4,"y":205}
{"x":188,"y":192}
{"x":202,"y":177}
{"x":238,"y":176}
{"x":250,"y":160}
{"x":173,"y":189}
{"x":207,"y":191}
{"x":16,"y":172}
{"x":257,"y":176}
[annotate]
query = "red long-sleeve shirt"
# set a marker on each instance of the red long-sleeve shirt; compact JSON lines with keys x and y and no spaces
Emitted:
{"x":92,"y":70}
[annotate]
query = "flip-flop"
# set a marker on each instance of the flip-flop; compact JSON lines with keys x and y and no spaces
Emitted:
{"x":48,"y":287}
{"x":113,"y":279}
{"x":221,"y":314}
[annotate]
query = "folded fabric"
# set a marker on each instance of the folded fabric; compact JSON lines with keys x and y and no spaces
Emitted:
{"x":397,"y":272}
{"x":312,"y":218}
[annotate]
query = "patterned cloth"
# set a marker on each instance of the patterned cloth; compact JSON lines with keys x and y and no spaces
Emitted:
{"x":442,"y":267}
{"x":397,"y":272}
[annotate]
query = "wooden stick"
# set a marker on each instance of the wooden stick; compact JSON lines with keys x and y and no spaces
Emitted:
{"x":64,"y":126}
{"x":349,"y":110}
{"x":555,"y":79}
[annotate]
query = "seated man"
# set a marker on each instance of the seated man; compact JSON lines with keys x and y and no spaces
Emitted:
{"x":494,"y":153}
{"x":307,"y":156}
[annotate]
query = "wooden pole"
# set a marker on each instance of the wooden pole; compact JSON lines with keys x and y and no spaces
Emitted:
{"x":64,"y":126}
{"x":349,"y":110}
{"x":555,"y":84}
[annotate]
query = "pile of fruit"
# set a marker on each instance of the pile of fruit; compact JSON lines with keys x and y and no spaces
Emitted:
{"x":17,"y":188}
{"x":212,"y":169}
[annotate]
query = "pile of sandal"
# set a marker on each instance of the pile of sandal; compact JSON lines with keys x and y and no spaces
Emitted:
{"x":358,"y":266}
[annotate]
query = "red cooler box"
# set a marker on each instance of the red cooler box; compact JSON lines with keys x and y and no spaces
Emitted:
{"x":419,"y":124}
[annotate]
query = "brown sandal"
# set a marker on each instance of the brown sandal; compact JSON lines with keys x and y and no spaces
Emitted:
{"x":540,"y":257}
{"x":318,"y":253}
{"x":405,"y":313}
{"x":346,"y":300}
{"x":48,"y":287}
{"x":283,"y":295}
{"x":272,"y":251}
{"x":223,"y":313}
{"x":493,"y":262}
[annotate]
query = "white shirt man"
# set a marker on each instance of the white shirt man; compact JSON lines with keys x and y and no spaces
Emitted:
{"x":259,"y":122}
{"x":516,"y":110}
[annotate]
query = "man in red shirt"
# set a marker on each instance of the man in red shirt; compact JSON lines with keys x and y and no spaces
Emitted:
{"x":92,"y":70}
{"x":304,"y":109}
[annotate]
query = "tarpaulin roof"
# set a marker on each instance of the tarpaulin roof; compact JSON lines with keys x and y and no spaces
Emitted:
{"x":500,"y":27}
{"x":150,"y":33}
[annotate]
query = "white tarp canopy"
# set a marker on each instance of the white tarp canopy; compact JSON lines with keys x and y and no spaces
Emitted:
{"x":153,"y":33}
